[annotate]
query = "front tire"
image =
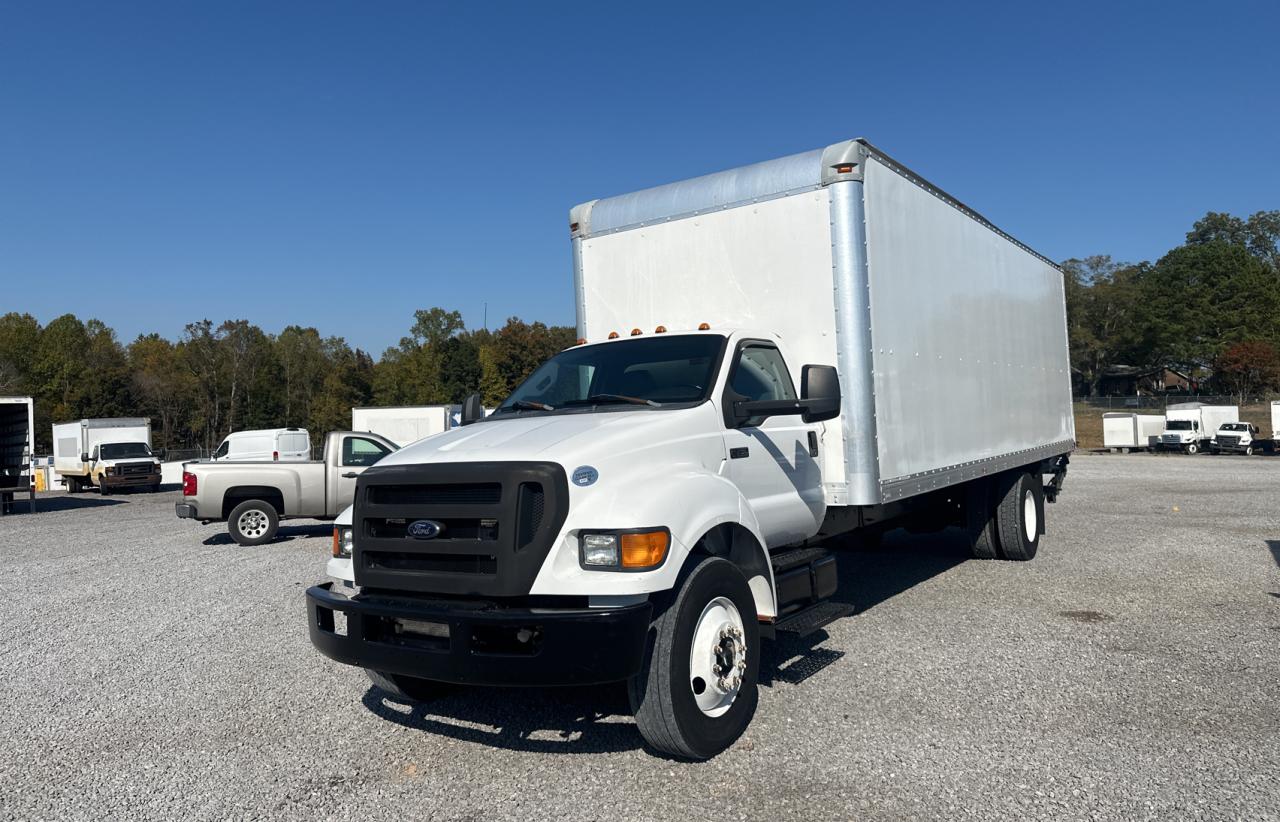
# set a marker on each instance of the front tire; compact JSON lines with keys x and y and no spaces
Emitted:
{"x":253,"y":522}
{"x":1020,"y":515}
{"x":1248,"y":450}
{"x":1193,"y":448}
{"x":696,"y":690}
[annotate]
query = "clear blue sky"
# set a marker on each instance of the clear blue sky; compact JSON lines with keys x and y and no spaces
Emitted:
{"x":341,"y":164}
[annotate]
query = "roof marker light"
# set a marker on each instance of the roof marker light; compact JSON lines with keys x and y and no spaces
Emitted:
{"x":704,"y":326}
{"x":662,"y":329}
{"x":582,"y":341}
{"x":845,"y":169}
{"x":613,"y":335}
{"x":635,"y":332}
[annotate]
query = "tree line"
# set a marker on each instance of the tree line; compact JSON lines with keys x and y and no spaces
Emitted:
{"x":1209,"y":308}
{"x":234,"y":376}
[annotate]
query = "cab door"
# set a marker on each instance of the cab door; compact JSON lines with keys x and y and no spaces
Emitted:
{"x":774,"y":462}
{"x":357,"y":453}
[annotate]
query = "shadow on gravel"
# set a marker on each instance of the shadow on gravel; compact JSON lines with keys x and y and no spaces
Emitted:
{"x":66,"y":503}
{"x":537,"y":720}
{"x":286,"y":533}
{"x":869,"y":576}
{"x":1274,"y":545}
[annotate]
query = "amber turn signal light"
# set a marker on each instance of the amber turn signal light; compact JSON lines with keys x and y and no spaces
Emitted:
{"x":645,"y":550}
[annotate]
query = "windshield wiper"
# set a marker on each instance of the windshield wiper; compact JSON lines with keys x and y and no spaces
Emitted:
{"x":603,"y":398}
{"x":528,"y":405}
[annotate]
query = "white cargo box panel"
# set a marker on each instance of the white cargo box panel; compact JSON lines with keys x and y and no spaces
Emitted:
{"x":1275,"y":419}
{"x":402,"y":424}
{"x":949,"y":336}
{"x":1129,"y":430}
{"x":1210,"y":417}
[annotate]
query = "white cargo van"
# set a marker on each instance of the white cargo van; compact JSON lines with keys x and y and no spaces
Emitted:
{"x":270,"y":444}
{"x":770,"y":356}
{"x":1125,"y":432}
{"x":112,"y":453}
{"x":1189,"y":426}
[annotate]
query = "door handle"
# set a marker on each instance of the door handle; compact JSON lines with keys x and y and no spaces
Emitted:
{"x":738,"y":453}
{"x":351,"y":475}
{"x":813,"y":443}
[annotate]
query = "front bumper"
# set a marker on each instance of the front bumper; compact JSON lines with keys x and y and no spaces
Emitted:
{"x":572,"y":646}
{"x":129,"y":480}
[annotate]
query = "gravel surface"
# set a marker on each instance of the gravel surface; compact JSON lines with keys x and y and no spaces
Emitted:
{"x":153,"y":669}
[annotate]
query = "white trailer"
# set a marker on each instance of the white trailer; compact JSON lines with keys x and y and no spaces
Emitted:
{"x":109,"y":453}
{"x":403,"y":424}
{"x":1275,"y":420}
{"x":772,"y":355}
{"x":1189,"y":426}
{"x":1126,"y":431}
{"x":17,"y":449}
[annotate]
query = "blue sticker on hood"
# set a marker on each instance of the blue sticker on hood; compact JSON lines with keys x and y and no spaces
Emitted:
{"x":585,"y":475}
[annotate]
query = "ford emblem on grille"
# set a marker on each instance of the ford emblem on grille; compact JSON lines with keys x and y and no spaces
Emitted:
{"x":425,"y":529}
{"x":585,"y":475}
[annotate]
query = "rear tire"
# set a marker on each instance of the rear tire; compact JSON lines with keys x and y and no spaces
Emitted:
{"x":406,"y":688}
{"x":696,"y":690}
{"x":253,"y":522}
{"x":980,"y":520}
{"x":1020,"y":515}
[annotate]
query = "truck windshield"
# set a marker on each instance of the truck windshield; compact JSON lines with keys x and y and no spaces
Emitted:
{"x":1234,"y":426}
{"x":125,"y":451}
{"x":1178,"y":425}
{"x":650,"y":372}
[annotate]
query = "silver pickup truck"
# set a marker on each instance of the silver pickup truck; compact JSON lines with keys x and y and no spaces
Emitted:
{"x":252,"y":497}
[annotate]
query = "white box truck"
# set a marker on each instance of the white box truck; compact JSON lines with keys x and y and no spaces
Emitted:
{"x":1189,"y":426}
{"x":1126,"y":431}
{"x":110,"y":454}
{"x":773,"y":355}
{"x":403,"y":424}
{"x":17,"y":449}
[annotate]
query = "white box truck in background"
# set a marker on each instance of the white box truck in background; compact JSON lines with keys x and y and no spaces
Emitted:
{"x":1189,"y":426}
{"x":772,"y":355}
{"x":403,"y":424}
{"x":1126,"y":431}
{"x":265,"y":445}
{"x":109,"y":454}
{"x":17,"y":449}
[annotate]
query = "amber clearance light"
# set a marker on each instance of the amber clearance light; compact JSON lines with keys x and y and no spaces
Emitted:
{"x":644,"y":550}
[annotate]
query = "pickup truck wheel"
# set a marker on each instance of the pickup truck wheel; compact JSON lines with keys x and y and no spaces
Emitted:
{"x":696,"y":690}
{"x":103,"y":490}
{"x":980,"y":520}
{"x":406,"y":688}
{"x":1019,"y":516}
{"x":253,"y":522}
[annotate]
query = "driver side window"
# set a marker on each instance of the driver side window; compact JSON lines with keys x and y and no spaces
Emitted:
{"x":761,"y":374}
{"x":361,"y":452}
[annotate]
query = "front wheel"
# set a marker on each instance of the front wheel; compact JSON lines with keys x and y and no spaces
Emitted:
{"x":696,"y":690}
{"x":1193,"y":448}
{"x":253,"y":522}
{"x":1248,"y":450}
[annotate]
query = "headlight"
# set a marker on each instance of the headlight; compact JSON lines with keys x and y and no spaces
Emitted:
{"x":110,"y":469}
{"x":342,"y":541}
{"x":637,"y":550}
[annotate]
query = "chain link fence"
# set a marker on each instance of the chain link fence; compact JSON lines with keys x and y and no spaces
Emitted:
{"x":1161,"y":401}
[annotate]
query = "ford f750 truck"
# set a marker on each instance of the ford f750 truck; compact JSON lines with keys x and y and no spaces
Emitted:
{"x":770,"y":356}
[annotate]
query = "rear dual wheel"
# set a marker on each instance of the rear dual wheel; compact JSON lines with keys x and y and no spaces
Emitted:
{"x":1004,"y":516}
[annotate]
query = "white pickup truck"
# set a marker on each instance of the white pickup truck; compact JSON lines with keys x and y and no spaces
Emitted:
{"x":770,"y":356}
{"x":252,"y":497}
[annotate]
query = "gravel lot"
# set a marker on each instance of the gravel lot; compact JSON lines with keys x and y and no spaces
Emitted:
{"x":153,"y":669}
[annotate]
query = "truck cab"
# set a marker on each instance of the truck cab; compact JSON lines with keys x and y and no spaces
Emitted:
{"x":1182,"y":435}
{"x":1236,"y":438}
{"x":115,"y":466}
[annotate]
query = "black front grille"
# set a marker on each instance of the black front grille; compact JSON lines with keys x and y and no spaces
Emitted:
{"x":1224,"y":439}
{"x":135,"y":468}
{"x":492,"y":525}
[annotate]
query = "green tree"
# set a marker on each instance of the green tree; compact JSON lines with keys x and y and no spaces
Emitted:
{"x":1247,"y":369}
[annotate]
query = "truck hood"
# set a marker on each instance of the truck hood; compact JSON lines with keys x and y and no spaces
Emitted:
{"x":568,"y":439}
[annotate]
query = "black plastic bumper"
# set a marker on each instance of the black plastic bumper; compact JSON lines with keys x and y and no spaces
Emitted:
{"x":485,"y":645}
{"x":185,"y":510}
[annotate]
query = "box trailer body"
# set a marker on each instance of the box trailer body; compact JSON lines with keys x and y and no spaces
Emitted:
{"x":949,"y":335}
{"x":1275,"y":419}
{"x":17,"y":447}
{"x":772,"y":355}
{"x":403,"y":424}
{"x":108,"y":453}
{"x":1128,"y":430}
{"x":1189,"y":426}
